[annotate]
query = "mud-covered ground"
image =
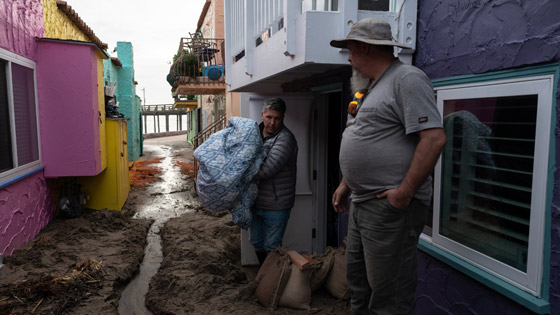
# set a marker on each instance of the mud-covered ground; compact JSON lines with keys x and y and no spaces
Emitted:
{"x":82,"y":266}
{"x":74,"y":266}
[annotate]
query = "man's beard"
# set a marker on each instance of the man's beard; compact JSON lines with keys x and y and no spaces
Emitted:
{"x":358,"y":81}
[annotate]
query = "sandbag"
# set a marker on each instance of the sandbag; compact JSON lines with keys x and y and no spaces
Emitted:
{"x":228,"y":160}
{"x":319,"y":275}
{"x":336,"y":281}
{"x":272,"y":278}
{"x":297,"y":293}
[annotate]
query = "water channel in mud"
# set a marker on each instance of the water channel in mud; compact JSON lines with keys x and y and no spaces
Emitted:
{"x":161,"y":201}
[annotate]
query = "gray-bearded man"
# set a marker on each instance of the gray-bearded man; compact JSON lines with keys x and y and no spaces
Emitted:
{"x":389,"y":148}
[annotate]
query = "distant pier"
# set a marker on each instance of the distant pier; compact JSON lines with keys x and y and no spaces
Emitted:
{"x":172,"y":124}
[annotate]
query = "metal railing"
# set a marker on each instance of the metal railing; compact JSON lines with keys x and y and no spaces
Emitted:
{"x":161,"y":108}
{"x":162,"y":114}
{"x":267,"y":13}
{"x":265,"y":17}
{"x":204,"y":134}
{"x":199,"y":60}
{"x":208,"y":131}
{"x":237,"y":39}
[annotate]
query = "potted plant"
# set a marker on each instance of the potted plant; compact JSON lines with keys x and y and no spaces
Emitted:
{"x":186,"y":64}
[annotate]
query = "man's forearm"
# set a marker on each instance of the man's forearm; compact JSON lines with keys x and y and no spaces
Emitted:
{"x":425,"y":158}
{"x":340,"y":197}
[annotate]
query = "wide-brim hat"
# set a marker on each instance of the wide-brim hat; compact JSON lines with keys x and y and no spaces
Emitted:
{"x":370,"y":31}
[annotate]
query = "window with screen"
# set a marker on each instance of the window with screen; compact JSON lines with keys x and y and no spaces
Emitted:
{"x":491,"y":181}
{"x":19,"y":137}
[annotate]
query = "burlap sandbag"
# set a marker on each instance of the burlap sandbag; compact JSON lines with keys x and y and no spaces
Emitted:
{"x":319,"y":275}
{"x":336,"y":281}
{"x":272,"y":278}
{"x":297,"y":293}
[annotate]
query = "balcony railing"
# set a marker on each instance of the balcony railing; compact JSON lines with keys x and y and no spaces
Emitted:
{"x":265,"y":18}
{"x":160,"y":109}
{"x":216,"y":126}
{"x":199,"y":61}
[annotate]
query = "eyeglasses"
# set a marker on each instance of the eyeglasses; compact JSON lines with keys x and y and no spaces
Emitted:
{"x":356,"y":102}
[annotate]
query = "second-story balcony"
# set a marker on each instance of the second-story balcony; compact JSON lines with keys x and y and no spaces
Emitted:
{"x":271,"y":44}
{"x":198,"y":67}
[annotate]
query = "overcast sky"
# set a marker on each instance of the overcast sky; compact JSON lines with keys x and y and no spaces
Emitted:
{"x":153,"y":27}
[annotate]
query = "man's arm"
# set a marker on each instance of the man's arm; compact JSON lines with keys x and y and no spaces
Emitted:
{"x":425,"y":157}
{"x":279,"y":154}
{"x":340,"y":197}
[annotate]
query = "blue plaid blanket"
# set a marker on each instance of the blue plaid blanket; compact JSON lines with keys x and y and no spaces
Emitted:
{"x":228,"y":160}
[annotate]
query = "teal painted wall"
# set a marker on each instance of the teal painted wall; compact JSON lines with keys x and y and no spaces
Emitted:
{"x":129,"y":103}
{"x":192,"y":121}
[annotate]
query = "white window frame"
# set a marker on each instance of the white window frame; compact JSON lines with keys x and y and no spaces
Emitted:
{"x":543,"y":86}
{"x":19,"y":170}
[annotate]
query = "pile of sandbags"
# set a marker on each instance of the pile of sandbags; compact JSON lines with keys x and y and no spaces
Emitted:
{"x":289,"y":279}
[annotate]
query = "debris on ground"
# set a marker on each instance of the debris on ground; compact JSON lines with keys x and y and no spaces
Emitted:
{"x":60,"y":293}
{"x":186,"y":168}
{"x":144,"y":172}
{"x":74,"y":266}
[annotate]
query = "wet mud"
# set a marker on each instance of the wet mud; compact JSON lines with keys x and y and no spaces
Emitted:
{"x":167,"y":194}
{"x":162,"y":248}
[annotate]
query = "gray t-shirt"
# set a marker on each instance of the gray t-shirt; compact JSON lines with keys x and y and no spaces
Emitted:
{"x":379,"y":142}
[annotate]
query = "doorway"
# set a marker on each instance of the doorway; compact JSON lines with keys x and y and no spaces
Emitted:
{"x":330,"y":119}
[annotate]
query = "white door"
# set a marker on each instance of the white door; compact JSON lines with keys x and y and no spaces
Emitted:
{"x":298,"y":234}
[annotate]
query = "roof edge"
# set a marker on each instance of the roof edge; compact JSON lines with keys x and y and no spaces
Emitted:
{"x":74,"y":17}
{"x":203,"y":14}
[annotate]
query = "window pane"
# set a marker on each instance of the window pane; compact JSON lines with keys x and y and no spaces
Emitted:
{"x":487,"y":175}
{"x":25,"y":114}
{"x":373,"y":5}
{"x":334,"y":5}
{"x":6,"y":161}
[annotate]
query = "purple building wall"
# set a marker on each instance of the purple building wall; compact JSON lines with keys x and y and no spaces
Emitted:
{"x":67,"y":90}
{"x":25,"y":208}
{"x":21,"y":21}
{"x":460,"y":37}
{"x":26,"y":205}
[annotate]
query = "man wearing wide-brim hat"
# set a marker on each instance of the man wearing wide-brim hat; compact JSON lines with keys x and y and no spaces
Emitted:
{"x":391,"y":143}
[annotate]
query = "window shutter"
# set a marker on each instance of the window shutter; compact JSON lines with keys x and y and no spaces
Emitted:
{"x":488,"y":160}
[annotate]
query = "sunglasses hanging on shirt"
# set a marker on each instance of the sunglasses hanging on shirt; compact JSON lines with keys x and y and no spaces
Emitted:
{"x":357,"y":102}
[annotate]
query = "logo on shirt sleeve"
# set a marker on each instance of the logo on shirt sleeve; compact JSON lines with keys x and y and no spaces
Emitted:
{"x":422,"y":119}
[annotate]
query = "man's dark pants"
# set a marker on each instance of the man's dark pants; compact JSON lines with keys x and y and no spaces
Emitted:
{"x":381,"y":256}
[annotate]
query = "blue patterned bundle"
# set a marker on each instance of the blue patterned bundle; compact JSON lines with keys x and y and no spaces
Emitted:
{"x":228,"y":160}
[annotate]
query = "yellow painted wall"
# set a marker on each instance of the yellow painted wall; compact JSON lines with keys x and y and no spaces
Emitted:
{"x":58,"y":25}
{"x":109,"y":190}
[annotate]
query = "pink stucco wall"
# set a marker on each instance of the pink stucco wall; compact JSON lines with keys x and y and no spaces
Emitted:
{"x":68,"y":109}
{"x":25,"y":208}
{"x":27,"y":205}
{"x":20,"y":22}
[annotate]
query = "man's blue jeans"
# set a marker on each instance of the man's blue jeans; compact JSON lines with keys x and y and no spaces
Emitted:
{"x":267,"y":229}
{"x":381,"y":256}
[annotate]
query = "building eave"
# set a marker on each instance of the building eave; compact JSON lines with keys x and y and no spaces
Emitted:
{"x":77,"y":20}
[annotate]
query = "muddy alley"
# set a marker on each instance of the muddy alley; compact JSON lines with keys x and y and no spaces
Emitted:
{"x":162,"y":254}
{"x":165,"y":190}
